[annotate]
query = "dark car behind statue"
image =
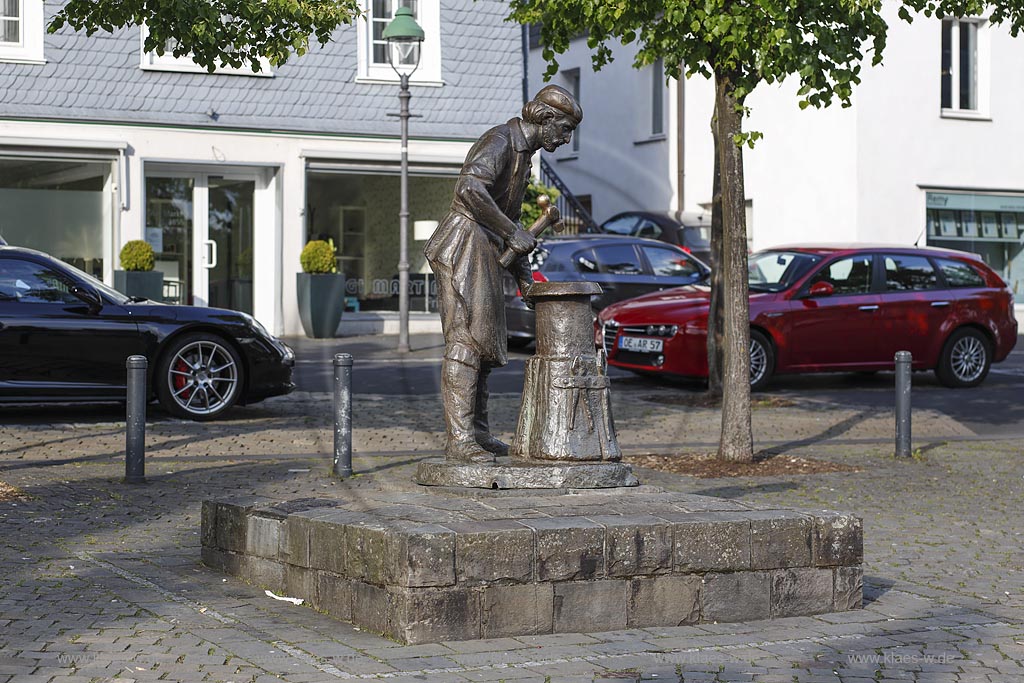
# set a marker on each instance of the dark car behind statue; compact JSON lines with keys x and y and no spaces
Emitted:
{"x":690,"y":231}
{"x":65,"y":336}
{"x":624,"y":267}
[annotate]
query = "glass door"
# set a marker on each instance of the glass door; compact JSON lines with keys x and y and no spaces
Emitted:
{"x":229,"y":237}
{"x":200,"y":226}
{"x":170,"y":228}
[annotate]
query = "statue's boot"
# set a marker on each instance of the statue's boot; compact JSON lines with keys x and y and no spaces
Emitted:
{"x":482,"y":429}
{"x":458,"y":391}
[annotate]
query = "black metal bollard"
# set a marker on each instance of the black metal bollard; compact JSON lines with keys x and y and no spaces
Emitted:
{"x":135,"y":432}
{"x":903,"y":360}
{"x":342,"y":415}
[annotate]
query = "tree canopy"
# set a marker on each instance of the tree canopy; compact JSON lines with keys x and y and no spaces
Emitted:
{"x":823,"y":42}
{"x":216,"y":33}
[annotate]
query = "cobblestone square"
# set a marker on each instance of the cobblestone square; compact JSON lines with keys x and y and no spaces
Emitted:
{"x":103,"y":581}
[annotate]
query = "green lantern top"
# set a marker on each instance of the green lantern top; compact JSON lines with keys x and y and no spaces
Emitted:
{"x":403,"y":28}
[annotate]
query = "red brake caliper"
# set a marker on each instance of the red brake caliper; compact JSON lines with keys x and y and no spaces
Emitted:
{"x":181,"y":380}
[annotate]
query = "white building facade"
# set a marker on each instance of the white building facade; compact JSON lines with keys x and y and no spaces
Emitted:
{"x":925,"y":155}
{"x":228,"y":175}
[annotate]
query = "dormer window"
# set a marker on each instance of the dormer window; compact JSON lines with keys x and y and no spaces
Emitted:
{"x":21,"y":31}
{"x":373,"y":49}
{"x":151,"y":61}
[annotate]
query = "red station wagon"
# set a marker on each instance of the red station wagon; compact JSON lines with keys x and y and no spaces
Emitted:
{"x":828,"y":308}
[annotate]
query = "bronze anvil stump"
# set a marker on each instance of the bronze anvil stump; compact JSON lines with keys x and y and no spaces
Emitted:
{"x":566,"y":410}
{"x":565,"y":438}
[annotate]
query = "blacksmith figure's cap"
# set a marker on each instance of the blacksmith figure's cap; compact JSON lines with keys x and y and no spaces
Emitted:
{"x":560,"y":99}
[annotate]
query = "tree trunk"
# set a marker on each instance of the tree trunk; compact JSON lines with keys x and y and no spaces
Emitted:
{"x":737,"y":441}
{"x":715,"y":313}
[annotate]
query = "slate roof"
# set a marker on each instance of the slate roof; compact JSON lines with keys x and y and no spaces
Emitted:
{"x":98,"y":78}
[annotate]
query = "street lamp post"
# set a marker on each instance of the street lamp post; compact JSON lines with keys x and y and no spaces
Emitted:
{"x":404,"y":38}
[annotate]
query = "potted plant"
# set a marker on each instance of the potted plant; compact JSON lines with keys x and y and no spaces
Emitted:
{"x":321,"y":290}
{"x":138,"y":279}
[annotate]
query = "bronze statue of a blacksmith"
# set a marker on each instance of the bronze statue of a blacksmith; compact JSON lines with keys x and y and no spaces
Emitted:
{"x":464,"y":254}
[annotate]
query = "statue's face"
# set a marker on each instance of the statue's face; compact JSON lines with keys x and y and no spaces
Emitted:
{"x":555,"y":132}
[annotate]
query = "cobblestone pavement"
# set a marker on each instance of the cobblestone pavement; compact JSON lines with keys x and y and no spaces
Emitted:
{"x":101,"y":581}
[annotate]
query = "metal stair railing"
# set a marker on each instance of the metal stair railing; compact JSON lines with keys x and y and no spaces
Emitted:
{"x":574,"y":215}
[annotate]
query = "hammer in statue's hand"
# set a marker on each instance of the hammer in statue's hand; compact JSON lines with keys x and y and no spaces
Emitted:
{"x":549,"y":218}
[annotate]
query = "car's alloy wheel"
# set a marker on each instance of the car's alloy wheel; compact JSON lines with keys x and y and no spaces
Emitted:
{"x":968,"y":359}
{"x":762,"y":360}
{"x":200,"y":377}
{"x":965,"y":359}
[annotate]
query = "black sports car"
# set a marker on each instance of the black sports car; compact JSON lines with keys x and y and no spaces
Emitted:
{"x":625,"y":267}
{"x":65,"y":337}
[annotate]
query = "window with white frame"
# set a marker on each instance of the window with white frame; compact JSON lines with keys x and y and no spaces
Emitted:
{"x":21,"y":31}
{"x":964,"y":83}
{"x":151,"y":61}
{"x":373,"y":49}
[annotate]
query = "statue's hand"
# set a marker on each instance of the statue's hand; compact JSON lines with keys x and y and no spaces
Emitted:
{"x":522,"y":242}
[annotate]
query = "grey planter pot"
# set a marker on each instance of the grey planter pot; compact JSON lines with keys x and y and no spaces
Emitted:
{"x":321,"y":302}
{"x":148,"y":284}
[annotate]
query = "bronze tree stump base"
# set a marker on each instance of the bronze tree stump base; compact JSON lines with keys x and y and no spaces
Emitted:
{"x":518,"y":474}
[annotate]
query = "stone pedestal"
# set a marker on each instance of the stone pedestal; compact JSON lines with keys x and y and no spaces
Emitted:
{"x":428,"y":567}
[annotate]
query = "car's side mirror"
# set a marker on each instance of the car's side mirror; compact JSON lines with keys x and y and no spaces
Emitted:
{"x":89,"y":296}
{"x":819,"y":289}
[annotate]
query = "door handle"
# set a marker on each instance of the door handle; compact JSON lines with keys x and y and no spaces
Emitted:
{"x":940,"y":304}
{"x":211,"y":254}
{"x":872,"y":307}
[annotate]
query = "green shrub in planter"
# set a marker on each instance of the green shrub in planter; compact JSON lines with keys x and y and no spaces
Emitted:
{"x":138,"y":279}
{"x":320,"y":289}
{"x":318,"y":257}
{"x":137,"y":255}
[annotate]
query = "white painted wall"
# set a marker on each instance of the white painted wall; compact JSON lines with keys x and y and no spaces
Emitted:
{"x":280,"y":196}
{"x":619,"y":163}
{"x":905,"y":142}
{"x":800,"y":177}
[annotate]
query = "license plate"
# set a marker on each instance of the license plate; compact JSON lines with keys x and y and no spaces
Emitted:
{"x":640,"y":344}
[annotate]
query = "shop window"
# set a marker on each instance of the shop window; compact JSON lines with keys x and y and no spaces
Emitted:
{"x":990,"y":225}
{"x":151,"y":61}
{"x":373,"y":62}
{"x":21,"y":31}
{"x":62,"y":208}
{"x":964,"y":64}
{"x":358,"y":213}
